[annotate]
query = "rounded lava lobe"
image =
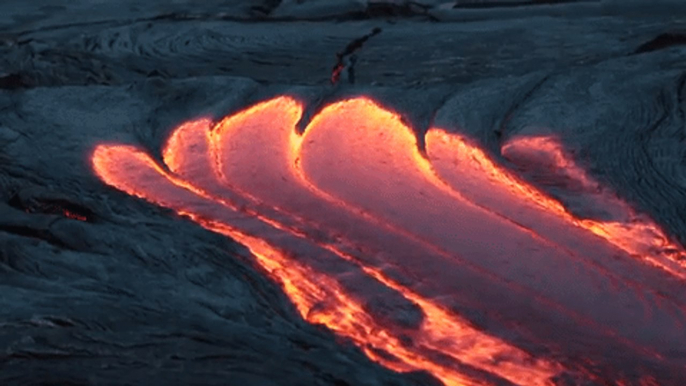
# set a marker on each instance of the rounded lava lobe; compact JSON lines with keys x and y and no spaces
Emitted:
{"x":187,"y":142}
{"x":260,"y":133}
{"x":112,"y":162}
{"x":349,"y":148}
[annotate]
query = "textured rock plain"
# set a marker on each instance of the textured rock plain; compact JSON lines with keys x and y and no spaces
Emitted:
{"x":136,"y":295}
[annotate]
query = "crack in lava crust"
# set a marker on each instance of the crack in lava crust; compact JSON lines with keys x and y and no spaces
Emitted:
{"x":387,"y":248}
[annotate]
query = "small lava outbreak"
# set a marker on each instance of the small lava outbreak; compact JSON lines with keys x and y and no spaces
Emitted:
{"x":447,"y":261}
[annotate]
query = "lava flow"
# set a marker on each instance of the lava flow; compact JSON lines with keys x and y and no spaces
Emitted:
{"x":391,"y":180}
{"x":318,"y":297}
{"x":545,"y":161}
{"x":469,"y":170}
{"x":393,"y":251}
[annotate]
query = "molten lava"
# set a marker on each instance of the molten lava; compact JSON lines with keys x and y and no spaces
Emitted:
{"x":469,"y":170}
{"x":400,"y":254}
{"x":633,"y":233}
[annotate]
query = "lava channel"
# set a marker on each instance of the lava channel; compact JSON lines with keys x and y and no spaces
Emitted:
{"x":365,"y":238}
{"x":543,"y":160}
{"x":365,"y":156}
{"x":319,"y":295}
{"x":469,"y":171}
{"x":250,"y":151}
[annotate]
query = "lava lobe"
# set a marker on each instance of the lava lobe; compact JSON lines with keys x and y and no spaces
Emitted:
{"x":447,"y":262}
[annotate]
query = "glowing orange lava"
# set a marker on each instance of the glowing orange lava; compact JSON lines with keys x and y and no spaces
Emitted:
{"x":635,"y":234}
{"x":252,"y":153}
{"x":74,"y":216}
{"x":387,"y":248}
{"x":319,"y":298}
{"x":365,"y":156}
{"x":470,"y":171}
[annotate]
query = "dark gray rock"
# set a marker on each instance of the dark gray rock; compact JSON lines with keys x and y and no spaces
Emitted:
{"x":99,"y":288}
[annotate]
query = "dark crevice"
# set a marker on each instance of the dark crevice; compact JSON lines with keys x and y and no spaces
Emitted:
{"x":480,"y":4}
{"x":15,"y":202}
{"x":305,"y":346}
{"x":499,"y":132}
{"x":59,"y":207}
{"x":34,"y":233}
{"x":372,"y":11}
{"x":54,"y":320}
{"x":35,"y":78}
{"x":349,"y":50}
{"x":393,"y":9}
{"x":13,"y":81}
{"x":266,"y":8}
{"x":61,"y":322}
{"x":662,"y":41}
{"x":52,"y":380}
{"x":36,"y":355}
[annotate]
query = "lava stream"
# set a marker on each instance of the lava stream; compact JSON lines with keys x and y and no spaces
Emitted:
{"x":544,"y":159}
{"x":196,"y":203}
{"x":317,"y":297}
{"x":320,"y":298}
{"x":469,"y":171}
{"x":264,"y":171}
{"x":364,"y":155}
{"x":257,"y":152}
{"x":367,"y":237}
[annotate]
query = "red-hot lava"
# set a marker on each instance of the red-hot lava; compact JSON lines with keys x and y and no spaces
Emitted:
{"x":387,"y":249}
{"x":318,"y":297}
{"x":470,"y":171}
{"x":546,"y":162}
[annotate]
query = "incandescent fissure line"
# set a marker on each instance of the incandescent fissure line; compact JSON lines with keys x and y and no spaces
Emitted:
{"x":349,"y":50}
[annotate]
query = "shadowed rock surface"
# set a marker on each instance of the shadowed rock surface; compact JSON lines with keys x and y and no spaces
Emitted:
{"x":99,"y":288}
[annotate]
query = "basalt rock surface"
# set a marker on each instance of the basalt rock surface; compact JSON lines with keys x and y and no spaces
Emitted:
{"x":101,"y":288}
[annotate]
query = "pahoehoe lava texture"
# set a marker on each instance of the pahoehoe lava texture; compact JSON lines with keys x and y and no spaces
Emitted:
{"x":100,"y":288}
